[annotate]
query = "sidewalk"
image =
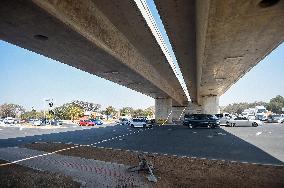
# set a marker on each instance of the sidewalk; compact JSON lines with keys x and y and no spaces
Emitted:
{"x":89,"y":172}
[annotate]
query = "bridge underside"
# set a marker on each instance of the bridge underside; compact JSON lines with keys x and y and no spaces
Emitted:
{"x":215,"y":42}
{"x":91,"y":36}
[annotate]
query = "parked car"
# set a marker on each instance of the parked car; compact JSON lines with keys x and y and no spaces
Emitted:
{"x":275,"y":119}
{"x":201,"y":120}
{"x":86,"y":123}
{"x":38,"y":122}
{"x":55,"y":122}
{"x":244,"y":121}
{"x":224,"y":117}
{"x":150,"y":123}
{"x":96,"y":121}
{"x":125,"y":121}
{"x":138,"y":123}
{"x":2,"y":122}
{"x":9,"y":120}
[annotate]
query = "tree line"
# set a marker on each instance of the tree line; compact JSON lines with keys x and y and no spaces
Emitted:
{"x":72,"y":110}
{"x":275,"y":105}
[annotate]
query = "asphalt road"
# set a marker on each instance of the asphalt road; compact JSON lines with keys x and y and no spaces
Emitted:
{"x":247,"y":144}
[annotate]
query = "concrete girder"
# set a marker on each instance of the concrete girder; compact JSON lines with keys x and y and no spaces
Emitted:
{"x":229,"y":38}
{"x":85,"y":35}
{"x":238,"y":35}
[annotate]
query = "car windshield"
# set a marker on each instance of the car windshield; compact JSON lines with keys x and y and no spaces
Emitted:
{"x":260,"y":110}
{"x":189,"y":116}
{"x":219,"y":115}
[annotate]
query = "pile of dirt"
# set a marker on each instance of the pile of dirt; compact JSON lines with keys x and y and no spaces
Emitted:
{"x":183,"y":172}
{"x":19,"y":176}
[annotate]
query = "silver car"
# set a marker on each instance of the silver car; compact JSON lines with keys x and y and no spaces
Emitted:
{"x":275,"y":119}
{"x":244,"y":122}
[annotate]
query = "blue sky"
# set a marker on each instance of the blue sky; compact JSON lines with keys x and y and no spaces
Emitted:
{"x":27,"y":78}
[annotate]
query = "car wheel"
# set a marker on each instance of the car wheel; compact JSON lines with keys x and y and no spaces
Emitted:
{"x":254,"y":124}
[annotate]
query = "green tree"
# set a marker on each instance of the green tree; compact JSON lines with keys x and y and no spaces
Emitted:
{"x":240,"y":107}
{"x":148,"y":113}
{"x":126,"y":111}
{"x":138,"y":112}
{"x":11,"y":110}
{"x":276,"y":104}
{"x":62,"y":111}
{"x":33,"y":114}
{"x":109,"y":111}
{"x":75,"y":112}
{"x":87,"y":106}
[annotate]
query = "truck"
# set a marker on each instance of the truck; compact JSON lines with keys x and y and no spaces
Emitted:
{"x":260,"y":113}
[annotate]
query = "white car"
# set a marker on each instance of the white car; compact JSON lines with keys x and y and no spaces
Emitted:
{"x":244,"y":121}
{"x":224,"y":118}
{"x":138,"y":123}
{"x":38,"y":123}
{"x":9,"y":120}
{"x":124,"y":121}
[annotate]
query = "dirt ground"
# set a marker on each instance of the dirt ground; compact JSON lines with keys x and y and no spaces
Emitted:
{"x":18,"y":176}
{"x":184,"y":172}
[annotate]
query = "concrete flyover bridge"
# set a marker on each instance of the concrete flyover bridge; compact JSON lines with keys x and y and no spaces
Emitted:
{"x":215,"y":42}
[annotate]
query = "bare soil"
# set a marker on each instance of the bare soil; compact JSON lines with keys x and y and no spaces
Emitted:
{"x":183,"y":172}
{"x":19,"y":176}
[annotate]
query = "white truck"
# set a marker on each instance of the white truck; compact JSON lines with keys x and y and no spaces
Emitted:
{"x":260,"y":113}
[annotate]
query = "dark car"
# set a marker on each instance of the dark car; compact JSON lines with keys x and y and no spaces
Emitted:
{"x":201,"y":120}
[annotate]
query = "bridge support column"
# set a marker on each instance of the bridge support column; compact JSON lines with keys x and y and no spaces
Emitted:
{"x":163,"y":110}
{"x":210,"y":105}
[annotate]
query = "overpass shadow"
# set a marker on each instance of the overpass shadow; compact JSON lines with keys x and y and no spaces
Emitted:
{"x":198,"y":142}
{"x":171,"y":139}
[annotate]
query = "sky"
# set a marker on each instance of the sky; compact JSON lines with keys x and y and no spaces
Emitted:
{"x":26,"y":78}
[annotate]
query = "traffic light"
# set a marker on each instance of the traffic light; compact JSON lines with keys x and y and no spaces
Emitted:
{"x":51,"y":112}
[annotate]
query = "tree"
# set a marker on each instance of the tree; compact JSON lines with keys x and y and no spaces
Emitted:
{"x":126,"y":111}
{"x":75,"y":112}
{"x":62,"y":111}
{"x":87,"y":106}
{"x":150,"y":111}
{"x":240,"y":107}
{"x":276,"y":104}
{"x":11,"y":110}
{"x":33,"y":114}
{"x":109,"y":111}
{"x":138,"y":112}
